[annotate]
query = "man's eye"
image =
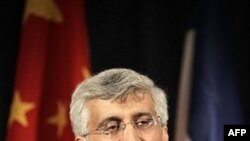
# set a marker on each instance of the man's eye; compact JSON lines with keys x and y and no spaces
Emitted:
{"x":144,"y":123}
{"x":111,"y":128}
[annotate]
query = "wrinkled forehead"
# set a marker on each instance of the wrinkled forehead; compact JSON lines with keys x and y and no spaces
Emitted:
{"x":135,"y":99}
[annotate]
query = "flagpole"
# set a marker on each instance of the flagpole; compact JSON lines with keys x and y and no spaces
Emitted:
{"x":184,"y":88}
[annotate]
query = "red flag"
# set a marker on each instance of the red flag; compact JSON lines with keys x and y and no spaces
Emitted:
{"x":53,"y":59}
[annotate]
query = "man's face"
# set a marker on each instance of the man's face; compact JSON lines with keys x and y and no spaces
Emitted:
{"x":106,"y":113}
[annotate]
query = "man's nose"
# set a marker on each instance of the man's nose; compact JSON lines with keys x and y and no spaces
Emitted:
{"x":131,"y":134}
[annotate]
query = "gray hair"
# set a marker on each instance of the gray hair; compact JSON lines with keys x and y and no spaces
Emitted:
{"x":112,"y":84}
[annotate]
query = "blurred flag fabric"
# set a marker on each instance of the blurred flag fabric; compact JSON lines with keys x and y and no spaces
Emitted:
{"x":215,"y":99}
{"x":53,"y":59}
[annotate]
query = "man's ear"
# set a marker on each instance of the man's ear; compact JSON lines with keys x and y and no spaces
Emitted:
{"x":165,"y":133}
{"x":79,"y":138}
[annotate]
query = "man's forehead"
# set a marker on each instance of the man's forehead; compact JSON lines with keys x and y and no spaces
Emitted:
{"x":133,"y":102}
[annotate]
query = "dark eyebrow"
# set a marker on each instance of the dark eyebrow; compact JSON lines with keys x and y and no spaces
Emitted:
{"x":112,"y":118}
{"x":115,"y":118}
{"x":140,"y":114}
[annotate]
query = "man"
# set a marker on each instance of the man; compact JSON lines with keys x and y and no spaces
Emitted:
{"x":119,"y":105}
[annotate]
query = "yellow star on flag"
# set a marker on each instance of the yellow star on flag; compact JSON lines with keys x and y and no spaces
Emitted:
{"x":46,"y":9}
{"x":19,"y":110}
{"x":59,"y":119}
{"x":85,"y":73}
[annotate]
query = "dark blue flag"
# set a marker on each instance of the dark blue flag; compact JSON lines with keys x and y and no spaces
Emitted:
{"x":215,"y":96}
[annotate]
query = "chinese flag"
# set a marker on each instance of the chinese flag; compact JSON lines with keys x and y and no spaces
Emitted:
{"x":53,"y":59}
